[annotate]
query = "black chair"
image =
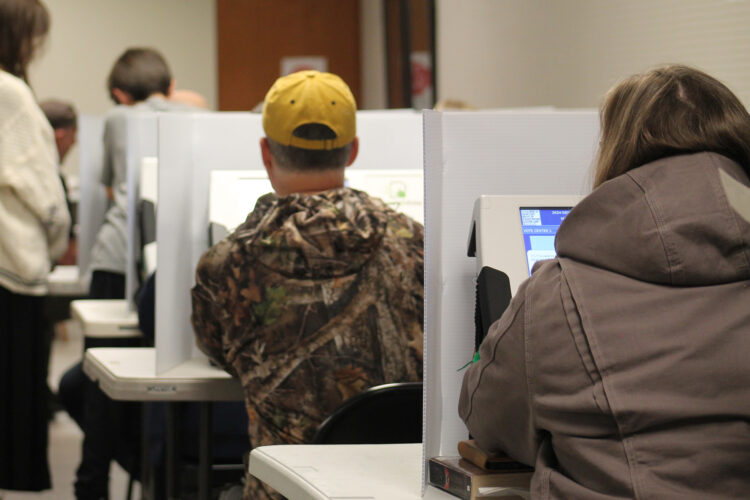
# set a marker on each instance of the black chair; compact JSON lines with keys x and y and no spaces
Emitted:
{"x":390,"y":413}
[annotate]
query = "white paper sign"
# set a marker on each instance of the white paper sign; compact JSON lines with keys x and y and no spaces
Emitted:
{"x":301,"y":63}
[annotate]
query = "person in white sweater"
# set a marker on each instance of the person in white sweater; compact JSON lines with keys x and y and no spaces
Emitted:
{"x":34,"y":224}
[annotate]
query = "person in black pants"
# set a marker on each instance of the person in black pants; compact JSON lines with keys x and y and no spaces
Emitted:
{"x":33,"y":234}
{"x":111,"y":428}
{"x":140,"y":81}
{"x":229,"y":429}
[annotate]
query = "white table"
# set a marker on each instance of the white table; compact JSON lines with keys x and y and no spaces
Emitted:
{"x":105,"y":318}
{"x":344,"y":472}
{"x":64,"y":285}
{"x":65,"y":281}
{"x":129,"y":374}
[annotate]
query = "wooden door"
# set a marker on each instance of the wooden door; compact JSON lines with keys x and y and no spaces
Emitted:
{"x":255,"y":35}
{"x":410,"y":53}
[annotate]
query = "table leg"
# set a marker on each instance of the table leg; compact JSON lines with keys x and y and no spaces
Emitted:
{"x":145,"y":455}
{"x":205,"y":453}
{"x":172,"y":433}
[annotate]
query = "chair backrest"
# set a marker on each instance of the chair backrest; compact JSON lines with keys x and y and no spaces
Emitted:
{"x":390,"y":413}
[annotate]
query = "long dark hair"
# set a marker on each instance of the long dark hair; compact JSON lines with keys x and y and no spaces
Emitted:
{"x":23,"y":26}
{"x":668,"y":111}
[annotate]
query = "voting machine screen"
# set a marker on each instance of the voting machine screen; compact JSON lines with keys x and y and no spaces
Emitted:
{"x":233,"y":194}
{"x":509,"y":234}
{"x":539,"y":226}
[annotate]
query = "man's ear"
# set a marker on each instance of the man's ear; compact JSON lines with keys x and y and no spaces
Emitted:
{"x":353,"y":152}
{"x":270,"y":164}
{"x":172,"y":86}
{"x":122,"y":97}
{"x":265,"y":153}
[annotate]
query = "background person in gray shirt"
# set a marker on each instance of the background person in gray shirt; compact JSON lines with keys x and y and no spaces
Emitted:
{"x":140,"y":80}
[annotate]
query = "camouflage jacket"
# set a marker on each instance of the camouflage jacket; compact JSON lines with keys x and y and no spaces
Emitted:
{"x":313,"y":299}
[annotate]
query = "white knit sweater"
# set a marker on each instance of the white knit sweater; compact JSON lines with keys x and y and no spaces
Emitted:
{"x":34,"y":218}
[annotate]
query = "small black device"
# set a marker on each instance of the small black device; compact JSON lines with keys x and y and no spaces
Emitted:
{"x":492,"y":298}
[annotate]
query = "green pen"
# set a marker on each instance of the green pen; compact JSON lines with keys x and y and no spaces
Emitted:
{"x":473,"y":360}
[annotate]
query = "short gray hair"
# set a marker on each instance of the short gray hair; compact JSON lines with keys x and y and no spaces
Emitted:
{"x":59,"y":114}
{"x":294,"y":158}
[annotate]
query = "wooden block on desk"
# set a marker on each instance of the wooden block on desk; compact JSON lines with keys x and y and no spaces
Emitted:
{"x":470,"y":450}
{"x":465,"y":480}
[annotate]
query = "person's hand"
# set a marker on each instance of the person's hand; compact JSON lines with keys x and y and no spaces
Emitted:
{"x":71,"y":254}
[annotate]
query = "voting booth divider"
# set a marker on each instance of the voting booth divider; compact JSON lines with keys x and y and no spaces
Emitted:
{"x":140,"y":141}
{"x":190,"y":147}
{"x":92,"y":203}
{"x":145,"y":215}
{"x":466,"y":155}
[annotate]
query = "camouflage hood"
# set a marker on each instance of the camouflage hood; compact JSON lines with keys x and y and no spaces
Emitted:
{"x":325,"y":235}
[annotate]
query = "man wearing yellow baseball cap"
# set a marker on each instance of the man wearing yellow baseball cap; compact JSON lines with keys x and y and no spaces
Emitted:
{"x":319,"y":294}
{"x":310,"y":123}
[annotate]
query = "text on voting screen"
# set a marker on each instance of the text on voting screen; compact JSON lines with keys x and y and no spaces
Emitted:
{"x":539,"y":226}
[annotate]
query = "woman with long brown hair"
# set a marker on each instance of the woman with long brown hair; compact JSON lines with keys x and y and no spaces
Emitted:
{"x":620,"y":368}
{"x":34,"y":225}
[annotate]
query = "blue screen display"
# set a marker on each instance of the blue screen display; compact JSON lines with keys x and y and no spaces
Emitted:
{"x":539,"y":226}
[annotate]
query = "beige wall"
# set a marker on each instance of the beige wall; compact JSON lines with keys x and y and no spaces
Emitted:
{"x":88,"y":35}
{"x":492,"y":53}
{"x":372,"y":50}
{"x":496,"y":53}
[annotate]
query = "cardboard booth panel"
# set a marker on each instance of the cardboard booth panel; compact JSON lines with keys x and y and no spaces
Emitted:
{"x":190,"y":146}
{"x":141,"y":141}
{"x":92,"y":204}
{"x":146,"y":214}
{"x":389,"y":140}
{"x":468,"y":154}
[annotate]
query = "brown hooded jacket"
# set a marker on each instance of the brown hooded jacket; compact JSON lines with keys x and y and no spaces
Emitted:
{"x":620,"y":369}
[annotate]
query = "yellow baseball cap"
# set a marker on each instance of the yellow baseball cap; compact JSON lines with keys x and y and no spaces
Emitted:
{"x":310,"y":97}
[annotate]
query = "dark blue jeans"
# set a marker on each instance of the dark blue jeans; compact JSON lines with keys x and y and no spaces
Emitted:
{"x":111,"y":428}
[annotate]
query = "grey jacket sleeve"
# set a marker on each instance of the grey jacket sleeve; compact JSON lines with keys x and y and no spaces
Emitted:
{"x":495,"y":401}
